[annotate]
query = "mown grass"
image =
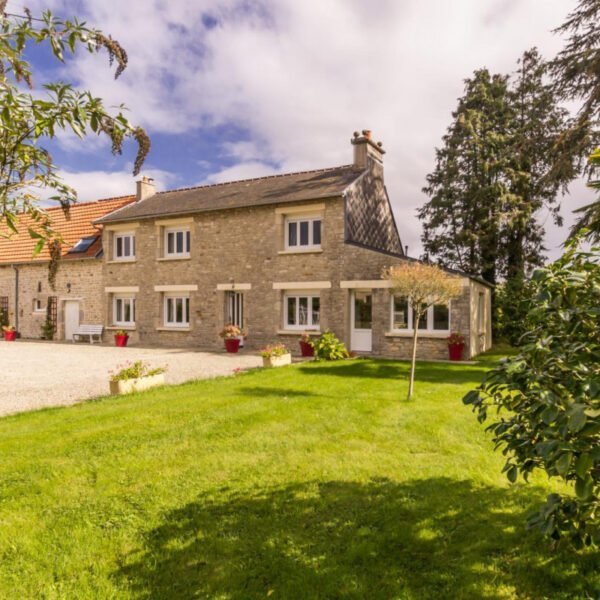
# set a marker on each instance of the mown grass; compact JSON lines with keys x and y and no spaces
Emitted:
{"x":313,"y":481}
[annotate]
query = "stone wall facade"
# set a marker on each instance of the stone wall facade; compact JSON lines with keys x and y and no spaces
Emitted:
{"x":76,"y":280}
{"x":243,"y":250}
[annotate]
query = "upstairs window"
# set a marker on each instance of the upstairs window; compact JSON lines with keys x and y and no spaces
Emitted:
{"x":303,"y":233}
{"x":124,"y":246}
{"x":177,"y":242}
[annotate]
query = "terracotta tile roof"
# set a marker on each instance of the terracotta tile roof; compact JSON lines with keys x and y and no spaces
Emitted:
{"x":274,"y":189}
{"x":19,"y":247}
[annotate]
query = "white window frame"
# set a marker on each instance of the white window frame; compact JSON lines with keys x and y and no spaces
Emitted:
{"x":41,"y":307}
{"x":300,"y":219}
{"x":185,"y":299}
{"x":428,"y":319}
{"x":123,"y":298}
{"x":122,"y":235}
{"x":309,"y":326}
{"x":187,"y":241}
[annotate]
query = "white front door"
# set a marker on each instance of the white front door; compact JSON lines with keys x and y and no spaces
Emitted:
{"x":361,"y":316}
{"x":71,"y":318}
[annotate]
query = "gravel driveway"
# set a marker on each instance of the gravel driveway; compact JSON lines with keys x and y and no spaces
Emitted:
{"x":39,"y":374}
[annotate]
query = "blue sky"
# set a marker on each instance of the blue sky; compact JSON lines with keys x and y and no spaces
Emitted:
{"x":229,"y":89}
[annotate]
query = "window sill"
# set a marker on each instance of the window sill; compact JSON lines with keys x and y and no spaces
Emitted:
{"x":298,"y":332}
{"x":121,"y":262}
{"x":168,"y":258}
{"x":307,"y":251}
{"x":175,"y":329}
{"x":121,"y":328}
{"x":423,"y":333}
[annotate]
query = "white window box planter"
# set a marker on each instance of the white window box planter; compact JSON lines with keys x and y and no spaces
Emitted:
{"x":277,"y":361}
{"x":127,"y":386}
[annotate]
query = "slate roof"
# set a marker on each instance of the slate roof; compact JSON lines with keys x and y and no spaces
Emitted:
{"x":18,"y":248}
{"x":274,"y":189}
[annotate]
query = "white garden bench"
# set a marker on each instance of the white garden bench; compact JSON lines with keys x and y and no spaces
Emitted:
{"x":89,"y":331}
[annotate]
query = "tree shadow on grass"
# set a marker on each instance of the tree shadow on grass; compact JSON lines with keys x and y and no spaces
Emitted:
{"x":383,"y":369}
{"x":433,"y":538}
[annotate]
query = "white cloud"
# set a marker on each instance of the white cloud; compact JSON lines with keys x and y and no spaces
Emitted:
{"x":301,"y":76}
{"x":243,"y":170}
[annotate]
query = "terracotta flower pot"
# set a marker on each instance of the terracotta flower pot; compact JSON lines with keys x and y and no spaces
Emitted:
{"x":306,"y":349}
{"x":10,"y":336}
{"x":121,"y":340}
{"x":455,"y":351}
{"x":232,"y":345}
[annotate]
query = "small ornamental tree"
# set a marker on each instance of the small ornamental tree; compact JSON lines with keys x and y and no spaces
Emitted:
{"x":550,"y":396}
{"x":27,"y":120}
{"x":422,"y":285}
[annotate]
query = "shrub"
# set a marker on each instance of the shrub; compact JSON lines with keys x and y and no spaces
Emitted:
{"x":455,"y":339}
{"x":512,"y":301}
{"x":328,"y":347}
{"x":551,"y":394}
{"x":232,"y":331}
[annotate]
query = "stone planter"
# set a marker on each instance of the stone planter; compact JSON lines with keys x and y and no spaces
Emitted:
{"x":277,"y":361}
{"x":127,"y":386}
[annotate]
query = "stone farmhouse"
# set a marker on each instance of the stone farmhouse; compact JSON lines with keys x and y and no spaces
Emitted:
{"x":278,"y":256}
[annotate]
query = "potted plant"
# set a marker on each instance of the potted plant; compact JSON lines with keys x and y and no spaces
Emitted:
{"x":136,"y":377}
{"x":10,"y":333}
{"x":456,"y":345}
{"x":232,"y":336}
{"x":276,"y":355}
{"x":121,"y":338}
{"x":306,"y":347}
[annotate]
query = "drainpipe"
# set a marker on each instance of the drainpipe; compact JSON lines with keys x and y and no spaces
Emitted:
{"x":16,"y":296}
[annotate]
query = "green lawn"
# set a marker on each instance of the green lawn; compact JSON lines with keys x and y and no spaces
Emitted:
{"x":312,"y":481}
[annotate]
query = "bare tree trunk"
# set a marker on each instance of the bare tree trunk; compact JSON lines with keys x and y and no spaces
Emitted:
{"x":413,"y":364}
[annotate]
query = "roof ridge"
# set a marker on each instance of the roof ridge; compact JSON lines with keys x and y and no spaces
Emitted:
{"x":274,"y":176}
{"x":77,"y":204}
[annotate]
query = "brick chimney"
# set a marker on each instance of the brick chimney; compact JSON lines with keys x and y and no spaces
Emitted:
{"x":144,"y":188}
{"x":365,"y":148}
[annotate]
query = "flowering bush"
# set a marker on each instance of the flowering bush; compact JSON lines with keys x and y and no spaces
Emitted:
{"x":455,"y":339}
{"x":121,"y":332}
{"x":274,"y":350}
{"x":305,"y":337}
{"x":8,"y":328}
{"x":232,"y":331}
{"x":135,"y":370}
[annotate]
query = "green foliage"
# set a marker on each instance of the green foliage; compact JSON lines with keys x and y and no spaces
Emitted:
{"x":493,"y":174}
{"x":551,"y":394}
{"x":48,"y":326}
{"x":26,"y":120}
{"x":135,"y":370}
{"x":589,"y":215}
{"x":512,"y":301}
{"x":328,"y":347}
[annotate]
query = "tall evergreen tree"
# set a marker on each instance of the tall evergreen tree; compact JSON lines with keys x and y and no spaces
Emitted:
{"x":494,"y":175}
{"x":468,"y":187}
{"x":538,"y":121}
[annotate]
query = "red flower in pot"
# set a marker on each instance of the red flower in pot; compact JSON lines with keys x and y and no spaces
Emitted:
{"x":121,"y":338}
{"x":232,"y":336}
{"x":306,"y":347}
{"x":456,"y":346}
{"x":10,"y":333}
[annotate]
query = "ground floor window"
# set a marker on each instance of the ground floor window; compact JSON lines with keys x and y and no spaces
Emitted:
{"x":124,"y":310}
{"x":235,"y":308}
{"x":302,"y":311}
{"x":177,"y":311}
{"x":436,"y":317}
